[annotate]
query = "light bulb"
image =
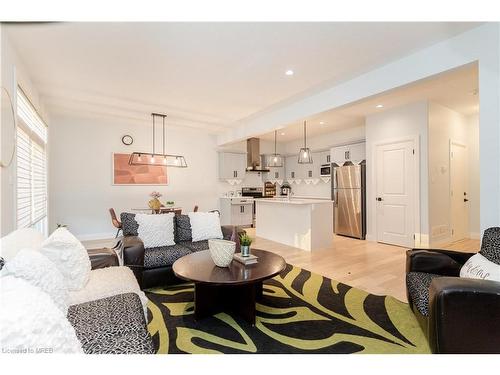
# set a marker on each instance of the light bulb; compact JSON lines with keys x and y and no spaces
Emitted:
{"x":305,"y":154}
{"x":139,"y":158}
{"x":275,"y":159}
{"x":152,"y":159}
{"x":164,"y":160}
{"x":177,"y":160}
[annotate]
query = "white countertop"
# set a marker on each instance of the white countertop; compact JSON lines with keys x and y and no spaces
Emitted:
{"x":249,"y":198}
{"x":295,"y":201}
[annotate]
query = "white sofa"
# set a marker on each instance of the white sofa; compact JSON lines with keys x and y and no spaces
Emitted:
{"x":93,"y":308}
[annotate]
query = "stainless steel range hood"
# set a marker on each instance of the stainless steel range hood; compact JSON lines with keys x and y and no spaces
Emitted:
{"x":254,"y":162}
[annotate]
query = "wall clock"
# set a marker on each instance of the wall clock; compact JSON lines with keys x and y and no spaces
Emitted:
{"x":127,"y":140}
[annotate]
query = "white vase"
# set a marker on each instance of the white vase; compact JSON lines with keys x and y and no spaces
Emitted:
{"x":222,"y":252}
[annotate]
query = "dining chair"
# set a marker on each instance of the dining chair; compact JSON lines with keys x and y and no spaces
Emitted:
{"x":176,"y":211}
{"x":195,"y":209}
{"x":115,"y":221}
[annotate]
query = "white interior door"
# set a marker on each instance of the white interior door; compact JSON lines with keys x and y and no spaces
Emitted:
{"x":395,"y":193}
{"x":459,"y":208}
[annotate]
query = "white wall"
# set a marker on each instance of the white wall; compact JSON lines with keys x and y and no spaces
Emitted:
{"x":406,"y":121}
{"x":81,"y":172}
{"x":474,"y":177}
{"x":13,"y":74}
{"x":445,"y":125}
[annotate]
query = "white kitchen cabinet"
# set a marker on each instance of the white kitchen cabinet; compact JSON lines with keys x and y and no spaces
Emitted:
{"x":292,"y":167}
{"x":232,"y":165}
{"x":324,"y":157}
{"x":236,"y":211}
{"x":275,"y":173}
{"x":355,"y":153}
{"x":312,"y":170}
{"x":295,"y":170}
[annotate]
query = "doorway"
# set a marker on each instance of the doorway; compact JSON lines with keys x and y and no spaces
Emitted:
{"x":459,"y":183}
{"x":396,"y":192}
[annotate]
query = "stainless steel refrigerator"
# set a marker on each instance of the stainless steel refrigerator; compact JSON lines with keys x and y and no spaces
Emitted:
{"x":349,"y":196}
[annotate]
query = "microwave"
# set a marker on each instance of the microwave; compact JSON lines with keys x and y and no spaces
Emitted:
{"x":326,"y":170}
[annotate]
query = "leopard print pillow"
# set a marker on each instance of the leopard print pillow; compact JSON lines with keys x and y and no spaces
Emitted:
{"x":183,"y":229}
{"x":490,"y":246}
{"x":129,"y":225}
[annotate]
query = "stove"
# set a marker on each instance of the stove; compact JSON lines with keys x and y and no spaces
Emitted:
{"x":254,"y":192}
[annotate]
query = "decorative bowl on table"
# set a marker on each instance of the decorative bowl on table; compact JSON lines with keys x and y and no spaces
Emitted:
{"x":221,"y":251}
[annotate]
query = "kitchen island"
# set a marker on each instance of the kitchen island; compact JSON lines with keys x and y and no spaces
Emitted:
{"x":303,"y":223}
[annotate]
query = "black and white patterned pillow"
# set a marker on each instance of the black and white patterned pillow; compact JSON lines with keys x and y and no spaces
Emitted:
{"x":490,"y":246}
{"x":129,"y":225}
{"x":2,"y":263}
{"x":183,"y":229}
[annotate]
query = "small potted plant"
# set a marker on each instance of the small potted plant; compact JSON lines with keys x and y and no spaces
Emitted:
{"x":245,"y":242}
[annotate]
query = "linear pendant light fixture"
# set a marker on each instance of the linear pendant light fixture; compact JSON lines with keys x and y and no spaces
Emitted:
{"x":276,"y":159}
{"x":153,"y":158}
{"x":305,"y":156}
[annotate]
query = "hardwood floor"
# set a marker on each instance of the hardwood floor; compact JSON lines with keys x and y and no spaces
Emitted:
{"x":371,"y":266}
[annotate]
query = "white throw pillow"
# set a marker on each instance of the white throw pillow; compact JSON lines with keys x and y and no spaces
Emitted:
{"x":30,"y":322}
{"x":25,"y":238}
{"x":107,"y":282}
{"x":35,"y":268}
{"x":69,"y":256}
{"x":478,"y":267}
{"x":205,"y":226}
{"x":156,"y":230}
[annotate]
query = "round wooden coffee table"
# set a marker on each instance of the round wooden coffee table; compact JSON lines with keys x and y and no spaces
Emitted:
{"x":234,"y":288}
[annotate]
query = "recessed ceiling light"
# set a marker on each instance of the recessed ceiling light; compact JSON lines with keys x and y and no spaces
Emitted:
{"x":379,"y":106}
{"x":289,"y":72}
{"x":322,"y":123}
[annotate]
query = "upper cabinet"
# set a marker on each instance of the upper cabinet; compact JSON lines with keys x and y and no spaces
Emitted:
{"x":275,"y":173}
{"x":323,"y":157}
{"x":232,"y":165}
{"x":292,"y":167}
{"x":295,"y":170}
{"x":355,"y":153}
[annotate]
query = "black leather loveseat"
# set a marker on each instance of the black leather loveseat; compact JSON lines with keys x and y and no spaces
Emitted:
{"x":458,"y":315}
{"x":153,"y":266}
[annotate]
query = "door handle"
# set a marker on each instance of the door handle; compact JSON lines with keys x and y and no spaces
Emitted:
{"x":379,"y":199}
{"x":466,"y":200}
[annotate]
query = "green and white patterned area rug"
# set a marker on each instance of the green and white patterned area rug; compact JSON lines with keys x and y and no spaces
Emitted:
{"x":300,"y":312}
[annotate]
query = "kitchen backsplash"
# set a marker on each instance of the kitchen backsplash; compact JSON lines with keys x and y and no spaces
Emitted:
{"x":320,"y":190}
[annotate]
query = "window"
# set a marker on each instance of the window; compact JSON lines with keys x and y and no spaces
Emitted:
{"x":31,"y":177}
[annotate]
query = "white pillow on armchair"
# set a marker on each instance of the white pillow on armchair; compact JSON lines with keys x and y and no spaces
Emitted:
{"x":205,"y":226}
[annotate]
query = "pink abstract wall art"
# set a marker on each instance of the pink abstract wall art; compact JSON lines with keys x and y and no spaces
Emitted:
{"x":125,"y":174}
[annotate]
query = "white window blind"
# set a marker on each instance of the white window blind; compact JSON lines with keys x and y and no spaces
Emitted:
{"x":31,"y":166}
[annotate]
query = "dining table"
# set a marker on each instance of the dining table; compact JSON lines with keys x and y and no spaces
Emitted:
{"x":162,"y":210}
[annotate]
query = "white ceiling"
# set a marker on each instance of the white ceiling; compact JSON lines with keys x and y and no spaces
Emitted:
{"x":205,"y":75}
{"x":455,"y":89}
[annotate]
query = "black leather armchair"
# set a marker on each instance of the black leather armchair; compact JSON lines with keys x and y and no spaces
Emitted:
{"x":458,"y":315}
